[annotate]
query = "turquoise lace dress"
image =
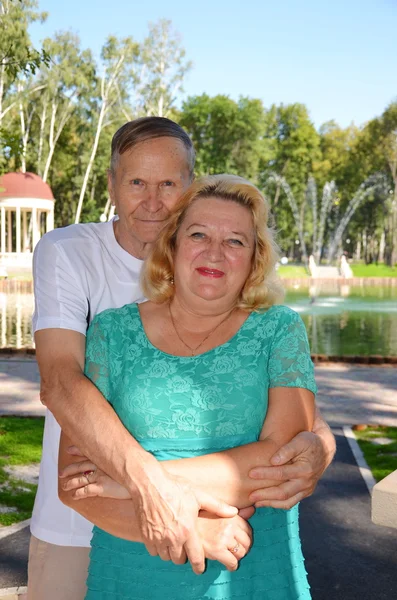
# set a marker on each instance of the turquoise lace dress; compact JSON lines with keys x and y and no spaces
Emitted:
{"x":178,"y":407}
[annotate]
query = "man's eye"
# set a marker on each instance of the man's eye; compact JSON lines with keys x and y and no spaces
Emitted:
{"x":136,"y":182}
{"x":168,"y":183}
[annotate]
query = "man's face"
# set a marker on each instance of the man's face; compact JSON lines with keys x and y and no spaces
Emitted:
{"x":146,"y":184}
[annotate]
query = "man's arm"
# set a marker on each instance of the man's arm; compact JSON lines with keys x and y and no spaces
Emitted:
{"x":225,"y":474}
{"x":166,"y":508}
{"x":119,"y":518}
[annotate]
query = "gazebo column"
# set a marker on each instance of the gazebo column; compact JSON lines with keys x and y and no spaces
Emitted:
{"x":3,"y":310}
{"x":3,"y":229}
{"x":50,"y":220}
{"x":24,"y":231}
{"x":35,"y":229}
{"x":18,"y":229}
{"x":9,"y":231}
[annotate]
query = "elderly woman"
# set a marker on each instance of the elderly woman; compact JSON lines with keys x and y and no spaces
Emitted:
{"x":213,"y":377}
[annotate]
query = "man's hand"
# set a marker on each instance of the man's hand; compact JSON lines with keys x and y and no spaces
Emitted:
{"x":297,"y":467}
{"x":168,"y":511}
{"x":224,"y":540}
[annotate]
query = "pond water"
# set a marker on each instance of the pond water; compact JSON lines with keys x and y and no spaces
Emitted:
{"x":346,"y":320}
{"x":341,"y":320}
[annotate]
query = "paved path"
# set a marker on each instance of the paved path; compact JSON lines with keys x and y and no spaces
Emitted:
{"x":347,"y":557}
{"x":19,"y":387}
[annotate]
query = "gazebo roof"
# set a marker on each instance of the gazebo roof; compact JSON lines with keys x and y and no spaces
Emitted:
{"x":24,"y":185}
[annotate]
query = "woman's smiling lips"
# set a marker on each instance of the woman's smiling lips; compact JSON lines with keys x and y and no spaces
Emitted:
{"x":209,"y":272}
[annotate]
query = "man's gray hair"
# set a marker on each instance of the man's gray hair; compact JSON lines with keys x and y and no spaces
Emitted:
{"x":149,"y":128}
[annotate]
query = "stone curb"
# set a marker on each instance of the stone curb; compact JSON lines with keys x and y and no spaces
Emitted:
{"x":360,"y":460}
{"x":6,"y":531}
{"x":15,"y":593}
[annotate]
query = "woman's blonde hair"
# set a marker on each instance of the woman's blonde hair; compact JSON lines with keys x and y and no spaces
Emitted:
{"x":262,"y":287}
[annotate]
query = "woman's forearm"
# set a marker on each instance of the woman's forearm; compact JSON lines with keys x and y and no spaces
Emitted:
{"x":117,"y":517}
{"x":222,"y":474}
{"x":225,"y":474}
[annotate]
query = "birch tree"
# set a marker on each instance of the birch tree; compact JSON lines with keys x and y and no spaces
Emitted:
{"x":119,"y":60}
{"x":163,"y":68}
{"x":66,"y":81}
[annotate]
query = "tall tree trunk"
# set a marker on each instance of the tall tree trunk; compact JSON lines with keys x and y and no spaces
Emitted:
{"x":2,"y":78}
{"x":381,"y":256}
{"x":43,"y":119}
{"x":393,"y":257}
{"x":90,"y":162}
{"x":23,"y":132}
{"x":106,"y":104}
{"x":50,"y":141}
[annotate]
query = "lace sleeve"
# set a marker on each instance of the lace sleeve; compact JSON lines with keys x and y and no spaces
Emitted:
{"x":97,"y":357}
{"x":290,"y":364}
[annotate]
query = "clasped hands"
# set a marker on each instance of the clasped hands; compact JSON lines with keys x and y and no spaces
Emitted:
{"x":178,"y":523}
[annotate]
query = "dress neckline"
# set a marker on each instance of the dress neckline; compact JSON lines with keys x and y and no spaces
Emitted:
{"x":239,"y":330}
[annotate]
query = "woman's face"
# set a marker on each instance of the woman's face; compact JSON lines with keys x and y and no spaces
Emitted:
{"x":214,"y":248}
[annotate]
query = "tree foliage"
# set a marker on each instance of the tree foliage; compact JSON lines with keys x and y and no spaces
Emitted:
{"x":59,"y":108}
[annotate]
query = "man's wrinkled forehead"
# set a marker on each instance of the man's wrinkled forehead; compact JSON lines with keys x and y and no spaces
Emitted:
{"x":164,"y":157}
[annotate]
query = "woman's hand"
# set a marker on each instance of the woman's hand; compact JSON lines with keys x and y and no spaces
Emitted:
{"x":226,"y":540}
{"x":88,"y":482}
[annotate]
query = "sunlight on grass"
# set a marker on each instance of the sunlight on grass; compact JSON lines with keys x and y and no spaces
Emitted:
{"x":381,"y":459}
{"x":292,"y":271}
{"x":374,"y":271}
{"x":20,"y":444}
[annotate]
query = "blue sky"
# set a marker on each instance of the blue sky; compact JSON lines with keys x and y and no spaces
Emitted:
{"x":338,"y":57}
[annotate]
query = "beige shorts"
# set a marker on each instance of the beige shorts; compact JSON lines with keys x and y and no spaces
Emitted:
{"x":56,"y":572}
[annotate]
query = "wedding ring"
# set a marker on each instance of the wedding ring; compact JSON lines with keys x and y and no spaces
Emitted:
{"x":86,"y":474}
{"x":235,"y":549}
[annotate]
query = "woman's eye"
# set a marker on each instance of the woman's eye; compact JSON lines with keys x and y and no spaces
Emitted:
{"x":235,"y":242}
{"x":197,"y":235}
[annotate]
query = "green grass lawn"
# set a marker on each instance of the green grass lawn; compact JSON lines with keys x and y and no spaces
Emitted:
{"x":20,"y":444}
{"x":373,"y":271}
{"x":292,"y":271}
{"x":381,"y":459}
{"x":297,"y":271}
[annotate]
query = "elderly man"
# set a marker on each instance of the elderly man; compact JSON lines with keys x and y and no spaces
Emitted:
{"x":80,"y":271}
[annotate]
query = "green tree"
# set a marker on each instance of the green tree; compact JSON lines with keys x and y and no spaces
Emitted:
{"x":291,"y":151}
{"x":162,"y":70}
{"x":68,"y":80}
{"x":294,"y":147}
{"x":16,"y":52}
{"x":376,"y":151}
{"x":227,"y":135}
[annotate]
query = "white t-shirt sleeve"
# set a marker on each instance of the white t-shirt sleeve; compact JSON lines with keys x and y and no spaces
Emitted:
{"x":60,"y":300}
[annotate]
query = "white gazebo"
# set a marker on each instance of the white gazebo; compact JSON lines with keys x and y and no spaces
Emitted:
{"x":26,"y":213}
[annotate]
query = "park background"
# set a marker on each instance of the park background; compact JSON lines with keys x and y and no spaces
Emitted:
{"x":298,"y":97}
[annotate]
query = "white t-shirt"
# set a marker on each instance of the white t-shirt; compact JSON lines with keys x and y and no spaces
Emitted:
{"x":78,"y":272}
